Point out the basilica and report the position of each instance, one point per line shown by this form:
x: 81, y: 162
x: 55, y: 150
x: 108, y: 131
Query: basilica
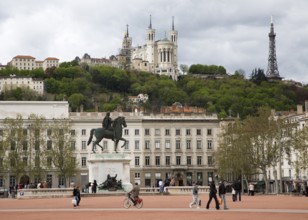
x: 156, y: 56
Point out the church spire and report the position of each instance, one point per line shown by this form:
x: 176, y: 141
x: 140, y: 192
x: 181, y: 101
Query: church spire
x: 150, y: 26
x: 272, y: 69
x: 173, y: 23
x: 127, y: 34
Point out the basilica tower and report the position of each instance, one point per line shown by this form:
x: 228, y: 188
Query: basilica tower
x: 173, y: 35
x: 272, y: 72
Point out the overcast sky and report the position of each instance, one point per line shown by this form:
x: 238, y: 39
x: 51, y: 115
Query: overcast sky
x: 230, y: 33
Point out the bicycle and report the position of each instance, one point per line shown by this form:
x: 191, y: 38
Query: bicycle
x: 128, y: 202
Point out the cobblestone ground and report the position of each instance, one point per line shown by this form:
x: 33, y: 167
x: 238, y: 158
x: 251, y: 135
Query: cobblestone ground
x: 163, y: 207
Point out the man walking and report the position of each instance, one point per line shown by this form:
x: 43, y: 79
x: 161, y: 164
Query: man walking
x: 213, y: 192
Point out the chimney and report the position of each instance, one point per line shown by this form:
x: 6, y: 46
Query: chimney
x: 299, y: 109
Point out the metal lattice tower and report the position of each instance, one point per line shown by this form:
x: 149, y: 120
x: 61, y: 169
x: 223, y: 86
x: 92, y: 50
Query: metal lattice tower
x: 272, y: 69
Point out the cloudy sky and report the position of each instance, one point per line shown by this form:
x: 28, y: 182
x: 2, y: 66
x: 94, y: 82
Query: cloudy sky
x: 230, y: 33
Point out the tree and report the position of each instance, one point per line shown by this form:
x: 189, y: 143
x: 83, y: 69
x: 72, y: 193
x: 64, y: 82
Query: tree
x: 258, y: 76
x: 15, y: 144
x: 61, y: 151
x: 260, y: 139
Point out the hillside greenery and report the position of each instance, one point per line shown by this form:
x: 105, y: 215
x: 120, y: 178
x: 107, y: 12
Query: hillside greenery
x: 108, y: 88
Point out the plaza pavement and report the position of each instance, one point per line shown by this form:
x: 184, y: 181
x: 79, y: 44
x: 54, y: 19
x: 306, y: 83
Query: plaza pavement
x: 162, y: 207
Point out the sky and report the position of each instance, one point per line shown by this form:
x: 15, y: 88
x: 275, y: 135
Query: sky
x: 229, y: 33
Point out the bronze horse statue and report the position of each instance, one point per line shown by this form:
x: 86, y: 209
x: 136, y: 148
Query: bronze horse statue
x: 115, y: 134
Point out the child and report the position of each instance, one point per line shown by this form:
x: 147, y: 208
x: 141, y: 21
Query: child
x: 233, y: 195
x: 195, y: 196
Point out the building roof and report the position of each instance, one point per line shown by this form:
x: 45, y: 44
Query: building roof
x: 24, y: 57
x: 51, y: 58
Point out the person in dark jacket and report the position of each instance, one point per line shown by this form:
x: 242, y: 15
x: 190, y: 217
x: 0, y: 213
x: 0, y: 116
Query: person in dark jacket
x: 76, y: 194
x: 213, y: 192
x: 222, y: 193
x: 238, y: 189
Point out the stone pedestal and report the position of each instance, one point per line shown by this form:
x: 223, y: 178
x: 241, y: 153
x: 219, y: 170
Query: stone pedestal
x: 100, y: 165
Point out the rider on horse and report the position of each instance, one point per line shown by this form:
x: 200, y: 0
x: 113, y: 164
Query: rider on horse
x: 107, y: 122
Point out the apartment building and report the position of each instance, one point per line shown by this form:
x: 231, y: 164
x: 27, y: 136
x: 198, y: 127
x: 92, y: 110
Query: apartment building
x: 26, y: 62
x: 12, y: 82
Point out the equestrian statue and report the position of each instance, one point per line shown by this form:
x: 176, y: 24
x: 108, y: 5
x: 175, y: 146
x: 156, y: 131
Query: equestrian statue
x: 110, y: 130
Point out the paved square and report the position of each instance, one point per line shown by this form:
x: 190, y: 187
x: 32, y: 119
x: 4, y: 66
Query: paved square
x: 164, y: 207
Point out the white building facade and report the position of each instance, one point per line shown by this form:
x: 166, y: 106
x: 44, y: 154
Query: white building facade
x: 162, y: 147
x: 13, y: 82
x: 26, y: 62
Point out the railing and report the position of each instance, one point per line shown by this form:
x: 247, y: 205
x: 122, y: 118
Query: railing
x: 44, y: 193
x: 174, y: 190
x: 68, y: 192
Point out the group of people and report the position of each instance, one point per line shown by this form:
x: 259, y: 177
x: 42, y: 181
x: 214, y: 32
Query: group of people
x: 221, y: 199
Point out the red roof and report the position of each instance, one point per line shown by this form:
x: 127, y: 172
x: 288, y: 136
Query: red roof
x: 24, y: 57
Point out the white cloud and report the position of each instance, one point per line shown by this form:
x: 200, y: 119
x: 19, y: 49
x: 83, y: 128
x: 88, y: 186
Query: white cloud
x: 233, y: 34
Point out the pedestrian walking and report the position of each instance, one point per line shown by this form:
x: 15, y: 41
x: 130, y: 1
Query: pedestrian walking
x: 212, y: 195
x: 195, y: 196
x: 222, y: 193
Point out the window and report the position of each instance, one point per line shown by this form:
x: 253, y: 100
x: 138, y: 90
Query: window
x: 61, y: 180
x: 157, y: 160
x: 137, y: 144
x: 83, y: 145
x: 1, y: 162
x: 49, y: 145
x: 73, y: 132
x: 73, y: 145
x: 167, y: 132
x: 147, y: 131
x: 137, y: 175
x: 199, y: 132
x: 13, y: 145
x: 83, y: 161
x: 147, y: 145
x: 178, y: 160
x: 136, y: 131
x: 105, y: 145
x: 199, y: 144
x: 157, y: 132
x: 137, y: 161
x: 210, y: 160
x: 1, y: 181
x: 83, y: 131
x: 25, y: 145
x: 188, y: 160
x: 147, y: 160
x: 188, y: 132
x: 177, y: 132
x: 199, y: 160
x: 37, y: 145
x: 126, y: 132
x: 188, y: 144
x: 126, y: 147
x: 178, y: 144
x: 157, y: 144
x: 49, y: 160
x: 167, y: 161
x: 209, y: 144
x: 49, y: 132
x: 25, y: 161
x: 167, y: 144
x: 209, y: 131
x: 37, y: 161
x: 1, y: 132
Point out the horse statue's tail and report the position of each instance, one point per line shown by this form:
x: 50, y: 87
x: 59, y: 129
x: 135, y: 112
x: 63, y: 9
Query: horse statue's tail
x: 91, y: 136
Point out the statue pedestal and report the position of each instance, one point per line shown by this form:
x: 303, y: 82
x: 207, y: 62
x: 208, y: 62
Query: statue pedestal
x: 100, y: 165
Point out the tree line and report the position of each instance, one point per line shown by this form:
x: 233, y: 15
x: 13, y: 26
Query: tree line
x: 33, y: 147
x: 106, y: 87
